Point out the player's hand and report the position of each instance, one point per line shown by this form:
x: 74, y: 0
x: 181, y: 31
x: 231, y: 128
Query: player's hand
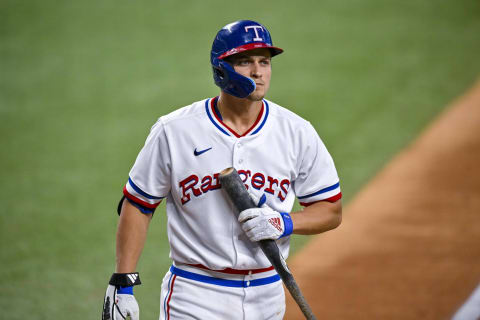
x: 118, y: 306
x: 264, y: 222
x: 119, y: 302
x: 259, y: 201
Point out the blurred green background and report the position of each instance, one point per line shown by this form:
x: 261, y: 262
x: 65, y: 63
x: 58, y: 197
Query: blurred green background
x: 81, y: 83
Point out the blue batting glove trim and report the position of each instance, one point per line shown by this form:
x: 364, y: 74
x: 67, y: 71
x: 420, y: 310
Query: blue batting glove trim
x: 287, y: 223
x: 262, y: 200
x: 125, y: 290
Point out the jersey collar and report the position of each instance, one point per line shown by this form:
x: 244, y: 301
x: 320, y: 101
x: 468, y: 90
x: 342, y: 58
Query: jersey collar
x: 216, y: 119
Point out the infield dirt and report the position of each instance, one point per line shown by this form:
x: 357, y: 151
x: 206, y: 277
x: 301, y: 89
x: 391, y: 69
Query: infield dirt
x: 409, y: 243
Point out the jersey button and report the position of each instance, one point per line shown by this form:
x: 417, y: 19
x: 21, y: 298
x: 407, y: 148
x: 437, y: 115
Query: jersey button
x: 240, y: 161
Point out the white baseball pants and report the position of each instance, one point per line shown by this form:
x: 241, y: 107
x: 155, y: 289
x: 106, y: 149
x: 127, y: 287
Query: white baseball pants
x: 190, y: 292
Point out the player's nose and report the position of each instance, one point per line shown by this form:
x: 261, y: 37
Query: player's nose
x: 256, y: 70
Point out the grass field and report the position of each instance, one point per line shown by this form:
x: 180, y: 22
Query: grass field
x: 82, y: 82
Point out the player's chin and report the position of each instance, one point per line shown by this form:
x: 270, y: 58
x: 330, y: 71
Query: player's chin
x: 257, y: 95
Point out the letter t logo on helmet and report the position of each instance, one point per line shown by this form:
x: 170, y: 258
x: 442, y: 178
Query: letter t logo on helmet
x: 257, y: 38
x: 235, y: 37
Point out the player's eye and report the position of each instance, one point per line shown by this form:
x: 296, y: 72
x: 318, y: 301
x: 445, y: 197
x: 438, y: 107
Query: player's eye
x: 243, y: 62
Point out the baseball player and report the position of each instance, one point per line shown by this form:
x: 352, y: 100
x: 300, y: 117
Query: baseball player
x: 218, y: 270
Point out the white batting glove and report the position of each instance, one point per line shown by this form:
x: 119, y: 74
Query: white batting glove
x: 264, y: 222
x: 119, y: 302
x: 259, y: 201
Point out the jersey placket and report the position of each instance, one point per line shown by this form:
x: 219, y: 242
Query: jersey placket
x: 238, y: 158
x: 238, y: 162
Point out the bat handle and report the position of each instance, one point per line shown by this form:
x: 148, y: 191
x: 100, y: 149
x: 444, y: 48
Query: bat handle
x: 277, y: 260
x: 235, y: 189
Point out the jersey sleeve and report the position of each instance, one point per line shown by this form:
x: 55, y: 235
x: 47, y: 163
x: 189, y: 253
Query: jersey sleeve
x: 317, y: 178
x: 149, y: 179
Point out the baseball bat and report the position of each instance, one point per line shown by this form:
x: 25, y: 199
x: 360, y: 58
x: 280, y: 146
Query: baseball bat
x: 238, y: 194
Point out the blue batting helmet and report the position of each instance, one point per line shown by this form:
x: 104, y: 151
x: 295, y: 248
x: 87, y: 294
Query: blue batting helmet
x: 234, y: 38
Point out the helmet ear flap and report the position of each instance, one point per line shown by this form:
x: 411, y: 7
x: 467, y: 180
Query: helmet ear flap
x: 230, y: 81
x: 220, y: 75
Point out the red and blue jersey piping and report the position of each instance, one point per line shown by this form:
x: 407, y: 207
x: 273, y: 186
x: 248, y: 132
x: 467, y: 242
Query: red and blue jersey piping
x: 216, y: 118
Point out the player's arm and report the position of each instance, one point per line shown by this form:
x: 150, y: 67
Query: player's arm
x: 131, y: 234
x: 318, y: 217
x: 119, y: 301
x: 265, y: 223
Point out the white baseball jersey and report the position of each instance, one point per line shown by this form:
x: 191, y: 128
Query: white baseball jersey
x: 281, y: 155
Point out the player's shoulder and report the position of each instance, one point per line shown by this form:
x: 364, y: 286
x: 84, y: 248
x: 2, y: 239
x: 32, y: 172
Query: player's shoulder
x: 190, y: 111
x: 286, y: 116
x: 179, y: 117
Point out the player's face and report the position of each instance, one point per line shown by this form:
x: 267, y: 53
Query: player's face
x: 256, y: 65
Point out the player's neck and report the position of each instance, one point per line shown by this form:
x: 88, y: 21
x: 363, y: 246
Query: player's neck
x: 239, y: 114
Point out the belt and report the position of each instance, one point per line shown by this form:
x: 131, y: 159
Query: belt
x: 234, y: 271
x: 226, y: 282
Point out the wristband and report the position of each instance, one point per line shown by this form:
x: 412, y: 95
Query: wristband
x: 287, y: 223
x: 125, y: 279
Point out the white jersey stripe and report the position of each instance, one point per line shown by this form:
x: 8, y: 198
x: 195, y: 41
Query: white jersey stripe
x: 213, y: 118
x: 262, y: 121
x: 139, y: 191
x: 133, y: 195
x: 323, y: 190
x: 322, y: 194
